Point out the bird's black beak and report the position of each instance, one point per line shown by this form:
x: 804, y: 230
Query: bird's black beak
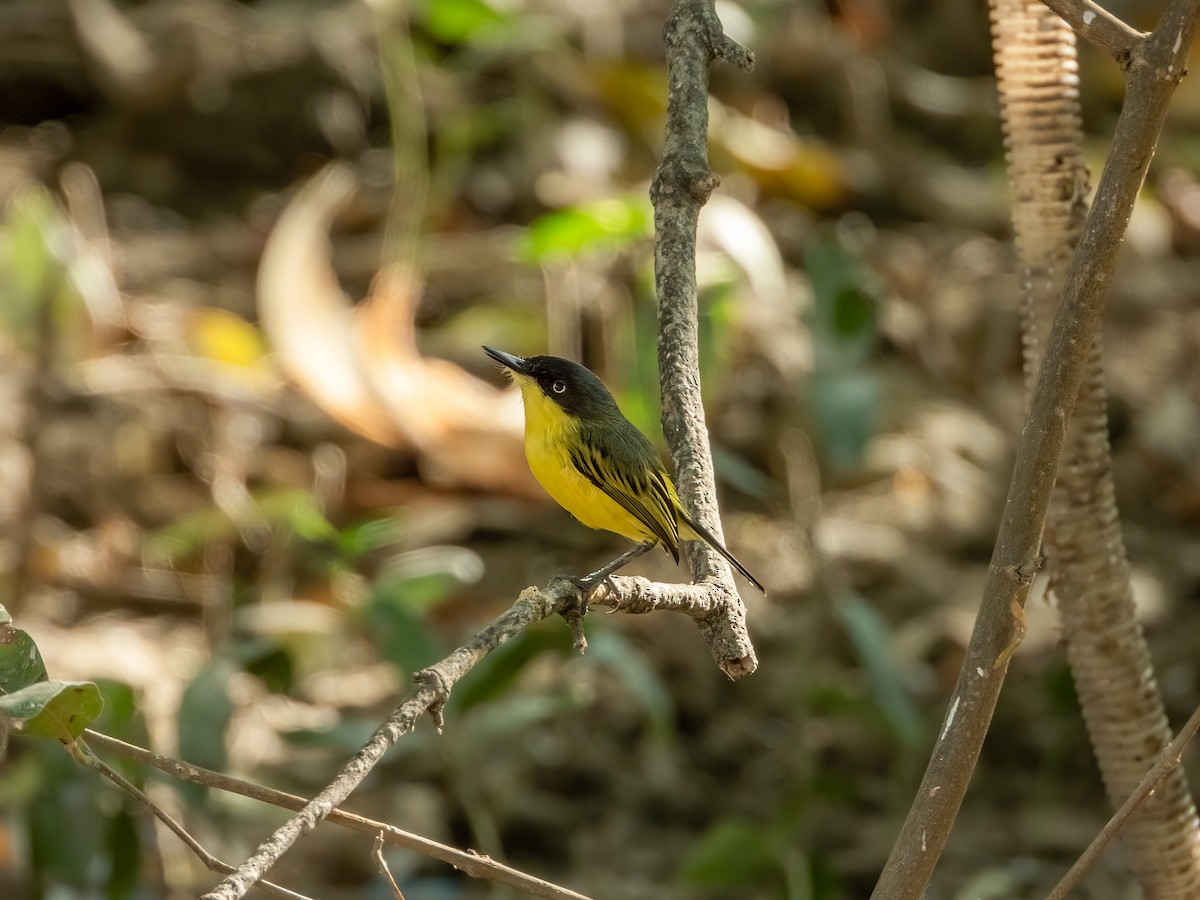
x: 516, y: 363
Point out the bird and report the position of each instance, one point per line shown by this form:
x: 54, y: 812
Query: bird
x: 597, y: 465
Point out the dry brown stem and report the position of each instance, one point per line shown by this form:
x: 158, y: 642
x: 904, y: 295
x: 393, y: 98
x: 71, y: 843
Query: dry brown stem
x: 471, y: 864
x: 1156, y: 66
x: 1169, y: 761
x: 83, y: 754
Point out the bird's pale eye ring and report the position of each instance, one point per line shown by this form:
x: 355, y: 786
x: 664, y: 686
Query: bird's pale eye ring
x: 559, y: 387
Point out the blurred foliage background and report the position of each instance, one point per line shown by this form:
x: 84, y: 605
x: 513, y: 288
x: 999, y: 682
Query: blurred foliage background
x: 252, y: 579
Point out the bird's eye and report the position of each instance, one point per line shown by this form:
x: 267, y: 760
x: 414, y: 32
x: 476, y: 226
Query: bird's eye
x: 559, y: 387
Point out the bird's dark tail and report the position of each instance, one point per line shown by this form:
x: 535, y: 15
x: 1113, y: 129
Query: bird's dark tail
x: 703, y: 534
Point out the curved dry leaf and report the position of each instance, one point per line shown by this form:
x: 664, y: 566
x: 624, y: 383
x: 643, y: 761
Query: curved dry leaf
x: 308, y: 319
x: 468, y: 432
x: 733, y: 227
x: 361, y: 365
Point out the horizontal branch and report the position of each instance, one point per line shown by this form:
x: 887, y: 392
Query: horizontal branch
x: 706, y: 604
x: 1099, y: 27
x: 82, y: 753
x: 471, y: 864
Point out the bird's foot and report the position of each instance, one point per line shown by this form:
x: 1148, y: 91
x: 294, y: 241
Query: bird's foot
x: 584, y: 587
x: 573, y: 613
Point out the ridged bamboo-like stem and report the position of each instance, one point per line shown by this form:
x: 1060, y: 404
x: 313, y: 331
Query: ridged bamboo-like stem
x: 1089, y: 573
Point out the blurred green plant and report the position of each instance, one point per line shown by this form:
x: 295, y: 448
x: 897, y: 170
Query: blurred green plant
x: 755, y: 860
x: 205, y: 711
x: 36, y: 252
x: 639, y: 393
x: 613, y: 223
x: 79, y: 830
x: 293, y: 510
x: 82, y: 832
x: 454, y: 22
x: 406, y: 588
x: 844, y: 393
x: 868, y: 633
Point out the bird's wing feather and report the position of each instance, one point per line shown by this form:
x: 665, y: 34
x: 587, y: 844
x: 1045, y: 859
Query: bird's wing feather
x: 634, y: 483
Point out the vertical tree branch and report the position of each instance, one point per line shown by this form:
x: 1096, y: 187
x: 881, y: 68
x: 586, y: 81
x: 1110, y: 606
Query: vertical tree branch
x: 1155, y: 69
x: 693, y: 38
x: 1089, y: 572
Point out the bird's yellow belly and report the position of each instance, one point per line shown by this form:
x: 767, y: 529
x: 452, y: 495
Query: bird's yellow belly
x: 549, y: 460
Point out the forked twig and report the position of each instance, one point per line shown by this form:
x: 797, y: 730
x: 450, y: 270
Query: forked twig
x: 1098, y: 26
x: 472, y: 864
x: 1168, y: 761
x: 83, y: 754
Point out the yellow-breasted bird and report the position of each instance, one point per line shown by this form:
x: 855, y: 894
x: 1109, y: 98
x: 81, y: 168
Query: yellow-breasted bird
x: 597, y: 465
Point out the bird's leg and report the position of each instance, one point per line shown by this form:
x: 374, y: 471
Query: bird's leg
x: 621, y: 561
x: 591, y: 581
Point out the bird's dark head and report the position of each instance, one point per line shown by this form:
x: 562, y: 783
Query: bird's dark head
x: 573, y: 388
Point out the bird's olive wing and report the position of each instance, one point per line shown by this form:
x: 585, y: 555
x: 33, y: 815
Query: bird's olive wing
x: 638, y: 484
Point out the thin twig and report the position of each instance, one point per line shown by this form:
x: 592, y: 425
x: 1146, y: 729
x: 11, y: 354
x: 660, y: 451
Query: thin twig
x: 1098, y: 26
x: 1155, y: 70
x: 431, y: 690
x: 471, y: 864
x: 82, y: 753
x: 1168, y: 761
x: 382, y: 866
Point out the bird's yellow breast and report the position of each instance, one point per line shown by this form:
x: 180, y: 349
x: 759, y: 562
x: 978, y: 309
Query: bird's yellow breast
x: 549, y: 435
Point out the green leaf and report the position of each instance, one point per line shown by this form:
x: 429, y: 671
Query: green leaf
x: 38, y: 261
x: 398, y: 631
x: 612, y: 649
x: 844, y: 306
x: 732, y: 852
x: 846, y: 409
x: 408, y: 586
x: 361, y: 538
x: 869, y: 635
x: 175, y: 543
x: 853, y: 313
x: 204, y: 715
x: 124, y: 854
x: 345, y: 737
x: 457, y: 21
x: 303, y: 514
x: 27, y: 267
x: 516, y: 715
x: 53, y: 709
x: 72, y: 825
x: 498, y: 671
x: 20, y: 662
x: 738, y: 472
x: 603, y: 225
